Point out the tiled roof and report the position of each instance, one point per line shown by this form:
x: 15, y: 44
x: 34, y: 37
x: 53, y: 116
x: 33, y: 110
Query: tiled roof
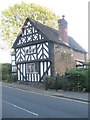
x: 52, y: 35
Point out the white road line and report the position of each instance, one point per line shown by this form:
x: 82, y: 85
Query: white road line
x: 20, y: 108
x: 47, y: 95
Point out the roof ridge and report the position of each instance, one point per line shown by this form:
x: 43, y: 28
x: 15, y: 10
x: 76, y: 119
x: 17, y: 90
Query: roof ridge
x: 41, y: 24
x: 52, y: 35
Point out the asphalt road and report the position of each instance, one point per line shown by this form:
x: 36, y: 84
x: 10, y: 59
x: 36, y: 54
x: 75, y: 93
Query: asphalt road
x: 21, y: 104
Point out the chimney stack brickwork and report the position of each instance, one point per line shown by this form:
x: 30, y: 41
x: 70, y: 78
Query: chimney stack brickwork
x: 62, y: 30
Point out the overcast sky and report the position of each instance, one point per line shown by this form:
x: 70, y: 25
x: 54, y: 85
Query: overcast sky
x: 75, y: 11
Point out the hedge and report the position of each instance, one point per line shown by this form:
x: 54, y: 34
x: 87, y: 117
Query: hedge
x: 6, y: 73
x: 76, y: 79
x: 6, y: 70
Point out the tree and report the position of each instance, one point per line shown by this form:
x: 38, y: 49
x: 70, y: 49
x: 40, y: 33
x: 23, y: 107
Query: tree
x: 6, y: 70
x: 14, y: 17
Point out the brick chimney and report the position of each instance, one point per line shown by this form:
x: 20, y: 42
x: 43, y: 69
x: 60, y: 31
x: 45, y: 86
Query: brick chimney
x: 62, y: 30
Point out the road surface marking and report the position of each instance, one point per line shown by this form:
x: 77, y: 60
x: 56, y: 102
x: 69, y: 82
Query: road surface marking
x: 21, y: 108
x: 46, y: 95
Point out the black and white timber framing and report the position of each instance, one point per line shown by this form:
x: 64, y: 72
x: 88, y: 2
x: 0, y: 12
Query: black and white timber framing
x: 33, y: 54
x: 35, y: 50
x: 14, y: 68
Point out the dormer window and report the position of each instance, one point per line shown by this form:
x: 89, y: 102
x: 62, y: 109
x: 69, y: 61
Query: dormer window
x: 31, y: 49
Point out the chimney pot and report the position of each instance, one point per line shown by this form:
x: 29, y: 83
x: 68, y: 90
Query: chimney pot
x: 63, y: 16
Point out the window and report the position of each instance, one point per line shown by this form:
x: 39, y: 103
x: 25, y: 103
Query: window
x: 58, y: 48
x: 31, y: 49
x: 30, y: 67
x: 14, y: 68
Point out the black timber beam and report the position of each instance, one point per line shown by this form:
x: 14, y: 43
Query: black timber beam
x: 31, y: 43
x: 51, y: 55
x: 33, y: 61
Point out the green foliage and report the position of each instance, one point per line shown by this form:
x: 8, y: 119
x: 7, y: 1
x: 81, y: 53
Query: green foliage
x: 14, y: 18
x: 78, y: 78
x: 49, y: 82
x: 59, y: 82
x: 62, y: 82
x: 11, y: 78
x: 6, y: 70
x: 6, y: 73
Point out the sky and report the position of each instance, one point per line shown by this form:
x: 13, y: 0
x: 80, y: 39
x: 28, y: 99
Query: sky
x: 76, y: 14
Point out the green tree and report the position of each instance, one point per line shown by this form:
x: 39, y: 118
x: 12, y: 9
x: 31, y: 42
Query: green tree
x: 6, y: 70
x: 14, y: 18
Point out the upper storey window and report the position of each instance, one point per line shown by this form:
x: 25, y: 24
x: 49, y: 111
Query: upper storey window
x: 31, y: 49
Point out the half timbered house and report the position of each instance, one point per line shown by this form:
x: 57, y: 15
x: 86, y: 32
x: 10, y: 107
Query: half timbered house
x: 41, y: 50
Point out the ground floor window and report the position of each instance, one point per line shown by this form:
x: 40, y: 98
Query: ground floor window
x: 32, y: 67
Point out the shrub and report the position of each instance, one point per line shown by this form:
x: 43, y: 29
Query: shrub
x: 59, y: 82
x: 78, y: 78
x: 88, y: 81
x: 62, y: 82
x: 6, y: 70
x: 6, y: 73
x: 49, y: 82
x: 11, y: 78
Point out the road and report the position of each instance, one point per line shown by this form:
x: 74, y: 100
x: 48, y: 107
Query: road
x: 24, y: 104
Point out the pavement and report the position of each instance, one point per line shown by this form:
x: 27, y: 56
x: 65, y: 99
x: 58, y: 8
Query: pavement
x: 79, y: 96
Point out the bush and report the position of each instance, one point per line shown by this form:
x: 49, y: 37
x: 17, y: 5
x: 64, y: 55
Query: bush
x: 6, y: 73
x: 59, y: 82
x: 78, y: 78
x: 88, y: 82
x: 11, y: 78
x: 6, y: 70
x: 49, y: 82
x: 62, y: 82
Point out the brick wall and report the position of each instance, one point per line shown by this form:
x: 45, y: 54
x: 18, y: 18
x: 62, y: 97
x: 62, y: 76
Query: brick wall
x: 65, y: 59
x: 78, y: 55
